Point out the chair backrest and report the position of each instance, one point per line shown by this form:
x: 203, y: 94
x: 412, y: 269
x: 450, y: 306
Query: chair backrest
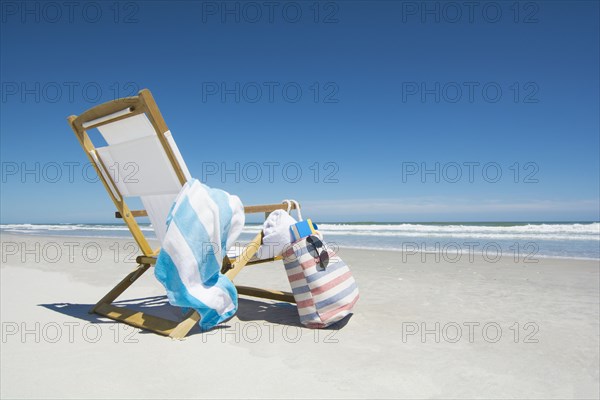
x: 141, y: 158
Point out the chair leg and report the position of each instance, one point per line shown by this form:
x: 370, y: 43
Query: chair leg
x: 247, y: 253
x: 185, y: 326
x: 138, y: 319
x: 162, y: 326
x: 266, y: 293
x: 177, y: 330
x: 121, y: 286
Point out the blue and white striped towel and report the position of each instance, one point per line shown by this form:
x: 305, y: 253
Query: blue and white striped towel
x: 202, y: 225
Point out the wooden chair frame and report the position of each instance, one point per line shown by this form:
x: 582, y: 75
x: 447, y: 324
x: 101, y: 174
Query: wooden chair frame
x: 111, y: 112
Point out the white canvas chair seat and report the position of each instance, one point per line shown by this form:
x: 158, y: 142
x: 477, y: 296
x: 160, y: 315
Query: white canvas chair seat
x: 139, y: 166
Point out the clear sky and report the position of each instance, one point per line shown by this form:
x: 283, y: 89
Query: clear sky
x: 390, y: 111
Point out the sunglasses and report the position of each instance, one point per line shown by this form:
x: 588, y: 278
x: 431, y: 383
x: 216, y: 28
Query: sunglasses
x: 317, y: 249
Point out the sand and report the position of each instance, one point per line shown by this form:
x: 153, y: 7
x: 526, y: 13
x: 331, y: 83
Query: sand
x: 422, y: 329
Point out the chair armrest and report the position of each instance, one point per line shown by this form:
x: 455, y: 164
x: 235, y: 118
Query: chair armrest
x: 145, y: 260
x: 267, y: 208
x: 134, y: 213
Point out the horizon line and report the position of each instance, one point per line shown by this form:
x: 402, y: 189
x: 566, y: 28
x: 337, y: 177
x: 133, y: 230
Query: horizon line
x: 335, y: 222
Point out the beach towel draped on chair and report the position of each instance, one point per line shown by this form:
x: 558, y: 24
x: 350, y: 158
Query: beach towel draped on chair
x: 202, y: 225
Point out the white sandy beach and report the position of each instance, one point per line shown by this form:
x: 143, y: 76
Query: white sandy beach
x: 494, y: 330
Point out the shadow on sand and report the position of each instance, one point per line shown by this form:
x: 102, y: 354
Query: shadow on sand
x: 248, y: 310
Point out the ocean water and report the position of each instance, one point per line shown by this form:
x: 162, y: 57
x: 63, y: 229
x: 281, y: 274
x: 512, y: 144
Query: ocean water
x: 519, y: 240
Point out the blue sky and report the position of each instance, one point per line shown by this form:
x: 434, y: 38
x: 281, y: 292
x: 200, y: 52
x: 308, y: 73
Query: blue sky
x: 361, y: 97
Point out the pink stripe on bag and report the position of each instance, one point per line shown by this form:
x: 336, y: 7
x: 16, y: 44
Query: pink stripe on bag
x: 306, y: 303
x: 288, y: 252
x: 331, y: 313
x: 331, y: 284
x: 295, y: 277
x: 309, y: 263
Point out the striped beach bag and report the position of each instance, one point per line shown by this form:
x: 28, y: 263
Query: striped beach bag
x: 321, y: 282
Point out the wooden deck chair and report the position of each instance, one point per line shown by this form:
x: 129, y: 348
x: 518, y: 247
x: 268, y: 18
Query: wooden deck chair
x: 142, y: 160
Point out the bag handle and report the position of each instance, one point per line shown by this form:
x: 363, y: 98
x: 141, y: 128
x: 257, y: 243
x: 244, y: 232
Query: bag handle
x: 298, y: 210
x: 289, y: 207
